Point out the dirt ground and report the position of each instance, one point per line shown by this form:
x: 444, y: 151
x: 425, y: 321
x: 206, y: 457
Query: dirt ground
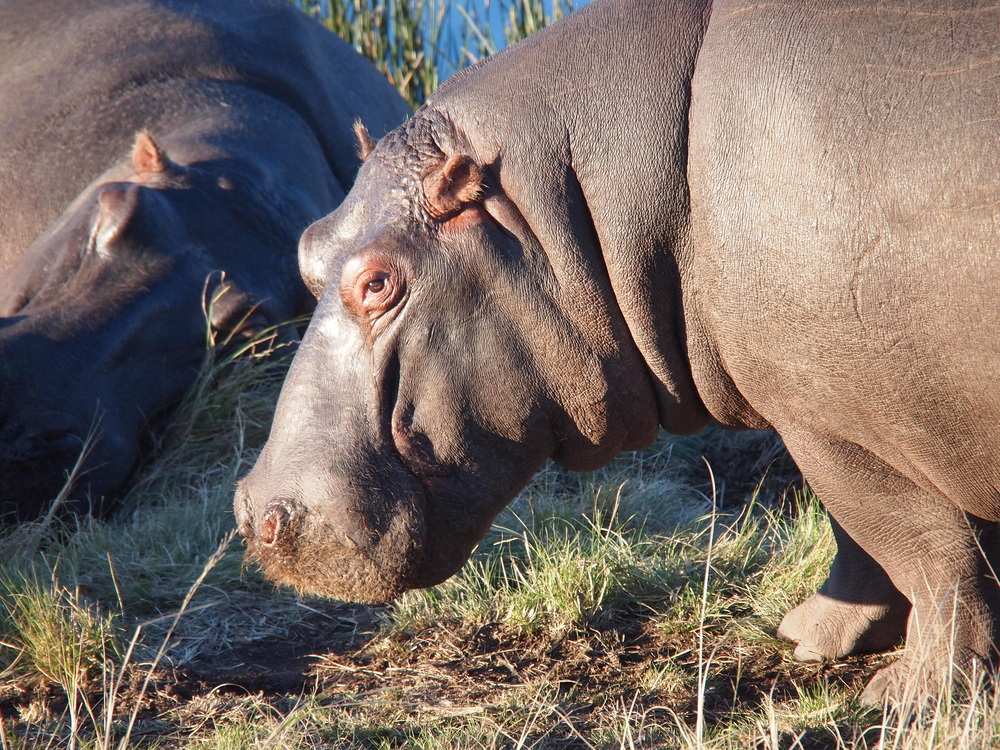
x: 450, y: 669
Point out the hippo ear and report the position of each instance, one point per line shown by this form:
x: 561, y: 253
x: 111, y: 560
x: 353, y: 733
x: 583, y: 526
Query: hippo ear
x: 455, y: 183
x: 366, y: 144
x: 118, y: 207
x: 147, y: 157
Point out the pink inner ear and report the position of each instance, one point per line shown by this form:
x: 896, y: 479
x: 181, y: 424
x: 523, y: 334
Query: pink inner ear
x: 147, y: 157
x: 366, y: 144
x: 457, y: 182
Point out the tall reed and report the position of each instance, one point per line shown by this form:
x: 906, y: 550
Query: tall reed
x: 419, y: 43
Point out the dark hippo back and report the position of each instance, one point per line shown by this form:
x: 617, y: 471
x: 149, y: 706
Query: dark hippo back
x: 157, y: 158
x: 79, y: 78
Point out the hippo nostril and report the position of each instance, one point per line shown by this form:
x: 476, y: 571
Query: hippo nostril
x: 273, y: 525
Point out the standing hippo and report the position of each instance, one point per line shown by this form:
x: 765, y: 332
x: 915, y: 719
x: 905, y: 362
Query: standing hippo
x: 656, y: 214
x: 115, y: 247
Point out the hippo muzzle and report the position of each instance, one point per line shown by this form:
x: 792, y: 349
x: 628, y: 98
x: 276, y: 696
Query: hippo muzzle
x: 318, y: 539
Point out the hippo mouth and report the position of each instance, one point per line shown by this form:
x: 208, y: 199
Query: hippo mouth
x: 328, y: 551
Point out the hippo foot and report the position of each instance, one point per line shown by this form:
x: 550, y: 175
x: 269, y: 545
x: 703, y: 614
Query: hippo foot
x: 887, y: 684
x: 923, y: 674
x: 913, y: 683
x: 827, y: 629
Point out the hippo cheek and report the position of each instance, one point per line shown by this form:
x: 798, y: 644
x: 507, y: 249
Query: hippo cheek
x: 60, y: 455
x: 25, y: 493
x: 319, y: 538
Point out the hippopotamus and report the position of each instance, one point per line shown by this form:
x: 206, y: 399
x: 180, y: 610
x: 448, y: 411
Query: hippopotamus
x: 159, y: 160
x: 665, y: 214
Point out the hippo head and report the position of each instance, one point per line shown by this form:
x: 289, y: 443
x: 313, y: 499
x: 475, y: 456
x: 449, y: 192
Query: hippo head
x: 106, y: 320
x: 451, y: 354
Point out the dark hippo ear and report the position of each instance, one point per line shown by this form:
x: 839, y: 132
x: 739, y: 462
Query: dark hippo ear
x: 147, y: 157
x: 451, y: 185
x: 366, y: 144
x: 118, y: 207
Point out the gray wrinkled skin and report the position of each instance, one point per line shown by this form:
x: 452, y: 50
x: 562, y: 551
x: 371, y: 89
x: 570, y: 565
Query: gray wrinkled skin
x: 155, y: 155
x: 660, y: 214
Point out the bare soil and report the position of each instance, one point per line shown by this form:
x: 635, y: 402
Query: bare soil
x: 345, y: 656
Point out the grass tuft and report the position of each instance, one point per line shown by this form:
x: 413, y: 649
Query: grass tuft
x: 54, y: 632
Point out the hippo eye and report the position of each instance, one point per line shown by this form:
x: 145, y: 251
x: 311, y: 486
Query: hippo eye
x: 370, y: 288
x: 375, y: 287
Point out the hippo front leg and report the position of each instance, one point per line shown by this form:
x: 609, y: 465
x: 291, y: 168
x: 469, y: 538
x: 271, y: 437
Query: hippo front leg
x: 931, y: 551
x: 952, y: 634
x: 856, y: 611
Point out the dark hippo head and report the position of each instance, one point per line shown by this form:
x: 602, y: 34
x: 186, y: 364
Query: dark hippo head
x: 106, y: 320
x: 457, y: 345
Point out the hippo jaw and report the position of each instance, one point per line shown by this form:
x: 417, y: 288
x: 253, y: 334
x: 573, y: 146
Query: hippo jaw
x: 402, y: 535
x: 373, y: 527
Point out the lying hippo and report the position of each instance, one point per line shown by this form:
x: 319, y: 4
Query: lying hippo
x: 113, y: 245
x: 661, y: 214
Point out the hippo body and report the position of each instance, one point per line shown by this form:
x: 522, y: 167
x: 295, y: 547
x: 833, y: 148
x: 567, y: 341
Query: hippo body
x: 158, y: 161
x: 786, y: 218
